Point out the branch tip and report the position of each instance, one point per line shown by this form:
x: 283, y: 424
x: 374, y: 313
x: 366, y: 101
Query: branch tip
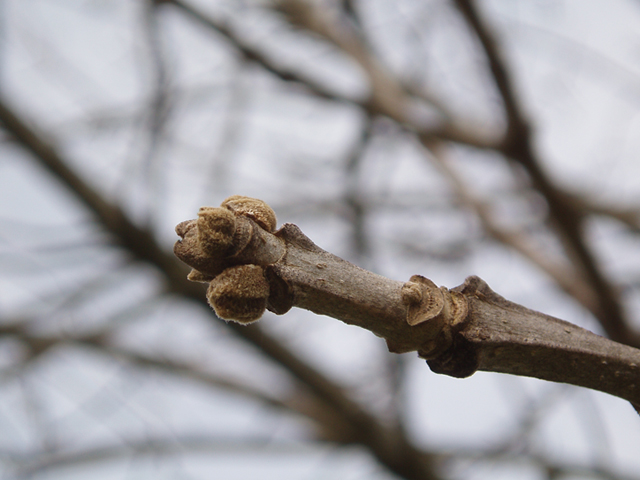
x: 252, y: 268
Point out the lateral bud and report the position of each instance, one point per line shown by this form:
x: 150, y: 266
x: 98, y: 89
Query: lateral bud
x: 426, y: 301
x: 239, y: 293
x: 436, y: 309
x: 423, y: 299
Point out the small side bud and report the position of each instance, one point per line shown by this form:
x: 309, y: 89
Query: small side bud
x: 423, y: 299
x: 239, y: 293
x: 411, y: 293
x: 216, y: 227
x: 255, y: 209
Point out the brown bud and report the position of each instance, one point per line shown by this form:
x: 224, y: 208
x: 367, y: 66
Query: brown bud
x: 411, y: 293
x: 216, y: 227
x: 239, y: 293
x: 255, y: 209
x: 189, y: 250
x: 424, y: 300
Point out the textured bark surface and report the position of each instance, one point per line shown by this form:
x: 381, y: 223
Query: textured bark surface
x: 458, y: 331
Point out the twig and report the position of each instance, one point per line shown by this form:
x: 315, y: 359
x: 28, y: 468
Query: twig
x: 251, y: 267
x: 384, y: 90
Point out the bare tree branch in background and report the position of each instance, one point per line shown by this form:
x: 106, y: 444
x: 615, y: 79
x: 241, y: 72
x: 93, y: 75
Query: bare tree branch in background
x: 517, y: 145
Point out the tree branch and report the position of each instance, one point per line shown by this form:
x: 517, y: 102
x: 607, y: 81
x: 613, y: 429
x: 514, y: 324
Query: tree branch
x: 251, y: 267
x: 387, y: 97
